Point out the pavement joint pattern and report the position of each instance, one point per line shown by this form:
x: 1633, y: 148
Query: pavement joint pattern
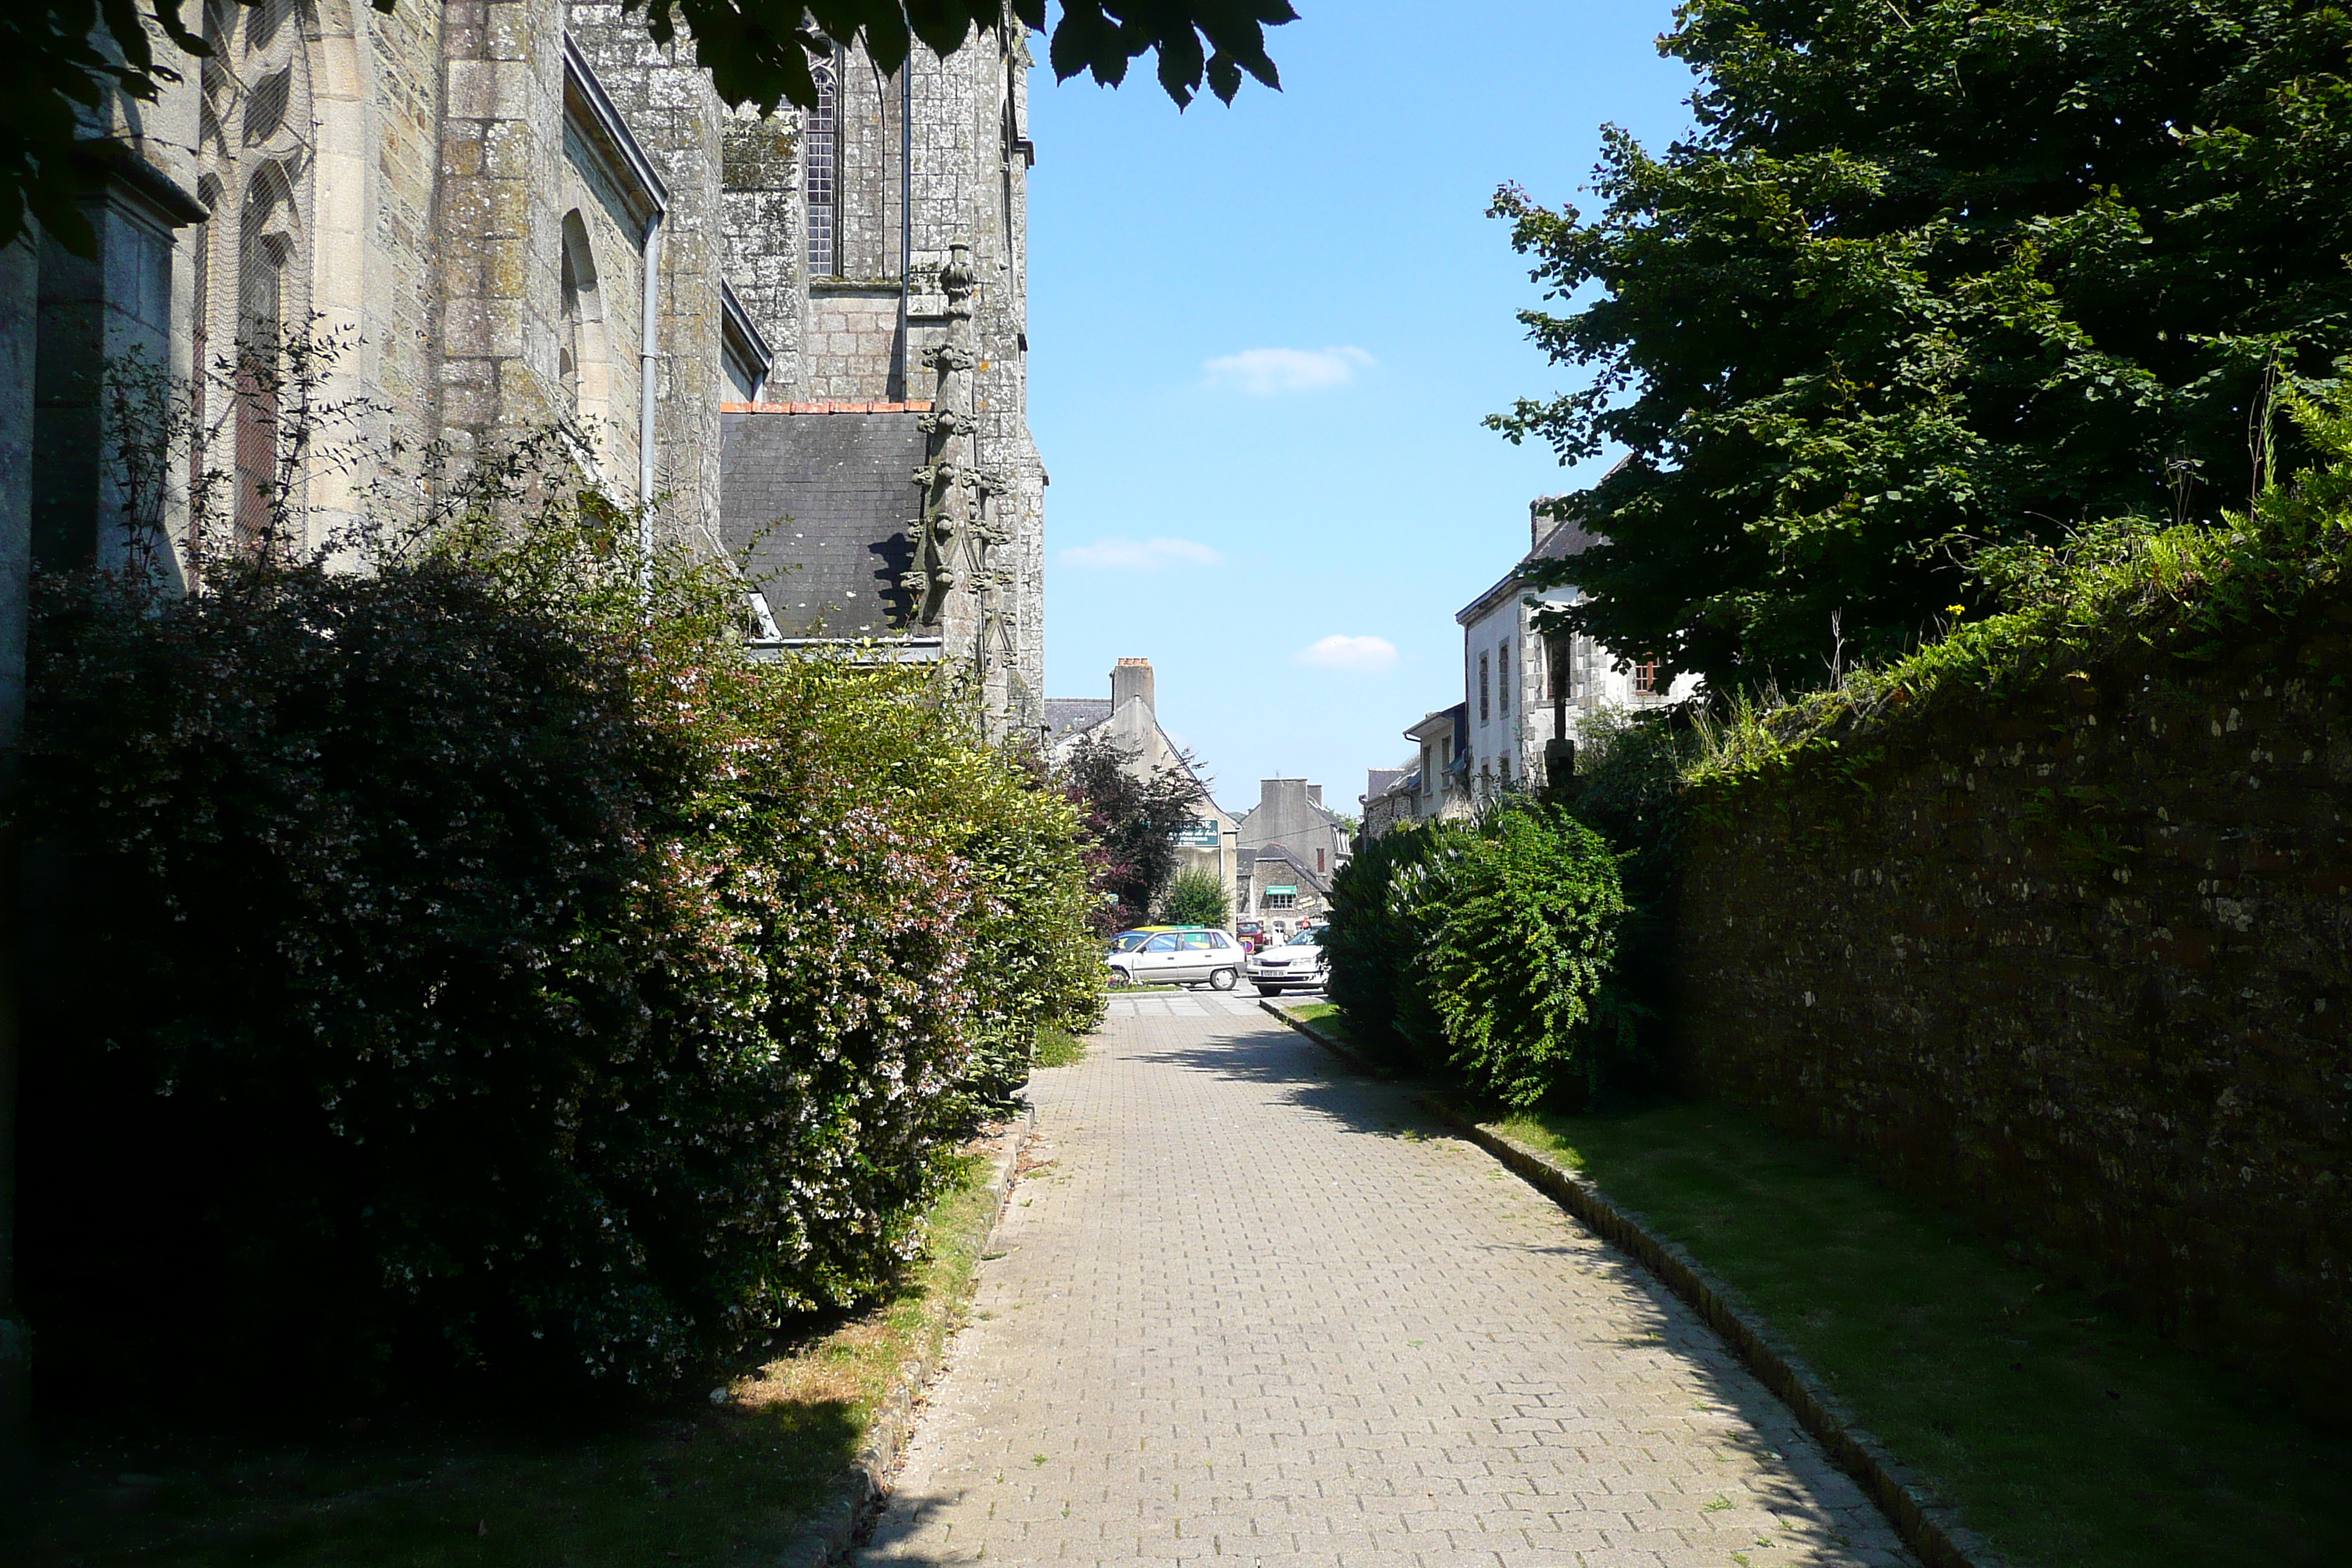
x: 1240, y: 1310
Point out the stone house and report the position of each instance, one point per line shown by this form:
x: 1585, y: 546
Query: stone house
x: 1291, y: 846
x: 1387, y: 797
x: 1281, y: 891
x: 796, y: 340
x: 1520, y: 685
x: 1433, y: 783
x: 1129, y: 718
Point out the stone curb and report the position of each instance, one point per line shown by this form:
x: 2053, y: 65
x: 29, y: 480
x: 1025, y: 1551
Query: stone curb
x: 1329, y: 1042
x: 832, y: 1526
x: 1928, y: 1528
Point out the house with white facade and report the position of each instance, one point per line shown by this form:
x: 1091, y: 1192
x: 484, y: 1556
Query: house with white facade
x: 1433, y: 783
x: 1522, y: 687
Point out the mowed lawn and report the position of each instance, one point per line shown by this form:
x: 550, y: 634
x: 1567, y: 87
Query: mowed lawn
x: 2070, y: 1436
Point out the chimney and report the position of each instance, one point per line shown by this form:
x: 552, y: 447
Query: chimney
x: 1535, y: 523
x: 1132, y: 677
x: 1315, y: 793
x: 1134, y: 721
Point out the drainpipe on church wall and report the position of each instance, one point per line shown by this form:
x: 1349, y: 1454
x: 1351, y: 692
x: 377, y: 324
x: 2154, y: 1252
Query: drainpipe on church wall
x: 899, y: 388
x: 648, y: 378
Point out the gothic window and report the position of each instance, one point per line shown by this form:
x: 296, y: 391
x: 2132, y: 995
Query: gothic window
x: 583, y: 358
x: 567, y: 326
x: 821, y: 145
x: 1483, y: 714
x: 251, y: 268
x: 265, y: 248
x: 1503, y: 676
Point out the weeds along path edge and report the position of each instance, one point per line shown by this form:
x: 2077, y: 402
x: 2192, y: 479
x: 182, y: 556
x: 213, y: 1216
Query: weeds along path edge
x: 834, y: 1524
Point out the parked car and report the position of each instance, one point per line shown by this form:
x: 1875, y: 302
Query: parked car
x: 1250, y: 933
x: 1294, y: 965
x: 1128, y: 940
x: 1185, y: 955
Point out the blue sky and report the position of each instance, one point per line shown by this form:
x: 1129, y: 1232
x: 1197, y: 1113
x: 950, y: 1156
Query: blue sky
x: 1262, y: 339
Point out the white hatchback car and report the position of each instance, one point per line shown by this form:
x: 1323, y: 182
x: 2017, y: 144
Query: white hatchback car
x: 1294, y: 965
x: 1188, y: 954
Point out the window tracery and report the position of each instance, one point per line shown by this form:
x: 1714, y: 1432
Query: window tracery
x: 255, y: 145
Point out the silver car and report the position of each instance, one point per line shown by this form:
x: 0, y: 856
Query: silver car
x: 1295, y: 965
x: 1183, y: 956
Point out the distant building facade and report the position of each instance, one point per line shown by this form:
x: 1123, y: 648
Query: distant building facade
x: 1433, y: 783
x: 1292, y: 845
x: 1129, y: 719
x: 1521, y: 684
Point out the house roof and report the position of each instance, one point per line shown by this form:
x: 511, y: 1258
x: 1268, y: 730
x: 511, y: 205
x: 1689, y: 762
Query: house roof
x: 1563, y: 541
x: 1275, y: 855
x: 1066, y: 716
x: 1452, y: 718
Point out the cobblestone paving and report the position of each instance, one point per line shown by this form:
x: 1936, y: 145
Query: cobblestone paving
x: 1258, y: 1312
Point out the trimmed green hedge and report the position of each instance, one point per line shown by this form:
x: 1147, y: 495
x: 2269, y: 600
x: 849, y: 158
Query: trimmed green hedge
x: 1483, y: 950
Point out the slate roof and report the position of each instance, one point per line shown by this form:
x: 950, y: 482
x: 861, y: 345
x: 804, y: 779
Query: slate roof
x: 817, y: 506
x: 1275, y: 855
x: 1065, y: 716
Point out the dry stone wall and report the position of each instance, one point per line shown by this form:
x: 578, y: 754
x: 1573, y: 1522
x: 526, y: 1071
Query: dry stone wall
x: 2082, y: 964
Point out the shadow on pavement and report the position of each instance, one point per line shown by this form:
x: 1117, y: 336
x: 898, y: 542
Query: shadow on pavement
x: 1755, y: 1422
x: 1271, y: 1053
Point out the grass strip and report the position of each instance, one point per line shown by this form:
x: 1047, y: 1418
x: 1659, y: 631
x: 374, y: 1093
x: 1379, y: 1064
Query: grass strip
x: 1324, y: 1015
x: 2068, y: 1435
x: 712, y: 1485
x: 1058, y: 1048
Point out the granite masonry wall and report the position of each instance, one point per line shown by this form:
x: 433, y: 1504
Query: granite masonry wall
x: 2082, y: 964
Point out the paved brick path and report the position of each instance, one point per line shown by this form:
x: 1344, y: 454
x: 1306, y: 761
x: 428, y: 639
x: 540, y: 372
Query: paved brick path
x: 1260, y: 1312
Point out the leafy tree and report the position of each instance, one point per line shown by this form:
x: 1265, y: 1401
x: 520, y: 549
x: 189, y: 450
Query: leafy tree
x: 1196, y: 898
x: 1135, y: 819
x: 1484, y: 950
x: 59, y: 58
x: 1930, y: 277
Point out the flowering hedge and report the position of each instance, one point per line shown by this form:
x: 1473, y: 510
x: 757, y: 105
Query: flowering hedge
x: 479, y: 966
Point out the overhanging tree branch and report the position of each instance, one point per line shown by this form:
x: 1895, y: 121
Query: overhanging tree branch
x: 59, y: 59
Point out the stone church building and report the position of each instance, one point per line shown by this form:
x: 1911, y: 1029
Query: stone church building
x: 801, y: 337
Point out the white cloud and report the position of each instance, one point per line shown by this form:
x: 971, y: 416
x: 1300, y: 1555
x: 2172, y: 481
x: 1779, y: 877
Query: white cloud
x: 1122, y: 554
x: 1262, y: 373
x: 1365, y: 656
